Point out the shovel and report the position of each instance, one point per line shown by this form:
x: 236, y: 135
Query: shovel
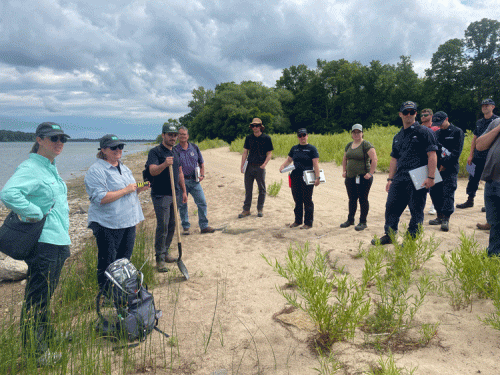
x: 180, y: 263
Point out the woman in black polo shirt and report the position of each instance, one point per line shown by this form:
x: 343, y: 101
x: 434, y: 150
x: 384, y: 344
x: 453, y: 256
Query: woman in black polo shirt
x: 305, y: 157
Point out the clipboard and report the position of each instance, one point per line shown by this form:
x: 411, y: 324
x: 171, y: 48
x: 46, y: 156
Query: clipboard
x: 419, y: 175
x: 245, y: 166
x: 471, y: 169
x: 310, y: 177
x: 289, y: 168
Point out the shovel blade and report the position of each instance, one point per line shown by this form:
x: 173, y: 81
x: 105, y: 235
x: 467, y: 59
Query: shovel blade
x: 183, y: 268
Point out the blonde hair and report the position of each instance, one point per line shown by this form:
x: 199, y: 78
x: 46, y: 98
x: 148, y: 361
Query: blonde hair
x: 100, y: 155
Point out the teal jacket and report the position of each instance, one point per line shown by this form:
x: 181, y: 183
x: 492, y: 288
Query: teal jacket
x: 32, y: 190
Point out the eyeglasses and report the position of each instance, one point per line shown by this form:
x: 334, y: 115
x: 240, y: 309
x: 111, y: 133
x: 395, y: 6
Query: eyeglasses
x: 424, y: 114
x: 255, y: 125
x: 407, y: 112
x: 119, y: 147
x: 301, y: 135
x: 56, y: 138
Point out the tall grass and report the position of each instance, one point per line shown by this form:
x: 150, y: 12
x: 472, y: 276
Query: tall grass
x: 331, y: 146
x: 212, y: 143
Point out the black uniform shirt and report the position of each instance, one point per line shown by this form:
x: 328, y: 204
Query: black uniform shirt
x: 451, y: 138
x: 161, y: 183
x: 302, y: 156
x: 410, y: 147
x: 481, y: 126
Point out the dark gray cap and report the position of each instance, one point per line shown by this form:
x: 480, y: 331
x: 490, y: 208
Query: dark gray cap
x: 48, y: 129
x: 109, y: 140
x: 488, y: 102
x: 408, y: 105
x: 438, y: 118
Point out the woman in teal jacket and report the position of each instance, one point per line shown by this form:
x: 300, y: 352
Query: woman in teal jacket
x: 34, y: 189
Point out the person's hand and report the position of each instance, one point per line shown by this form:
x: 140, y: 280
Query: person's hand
x: 130, y: 188
x: 316, y: 182
x: 184, y: 198
x: 263, y: 166
x: 169, y: 161
x: 428, y: 183
x: 469, y: 160
x: 241, y: 169
x: 367, y: 176
x: 387, y: 186
x: 441, y: 168
x: 281, y: 168
x: 143, y: 188
x: 344, y: 174
x: 201, y: 178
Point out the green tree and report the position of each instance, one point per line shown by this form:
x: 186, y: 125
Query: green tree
x: 200, y: 98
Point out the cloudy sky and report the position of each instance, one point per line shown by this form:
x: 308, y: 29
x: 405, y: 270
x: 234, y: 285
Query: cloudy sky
x: 127, y: 66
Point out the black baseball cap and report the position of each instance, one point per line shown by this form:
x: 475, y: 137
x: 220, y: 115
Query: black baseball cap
x: 408, y: 105
x: 438, y: 118
x: 109, y: 140
x: 488, y: 102
x: 48, y: 129
x: 302, y: 131
x: 169, y: 128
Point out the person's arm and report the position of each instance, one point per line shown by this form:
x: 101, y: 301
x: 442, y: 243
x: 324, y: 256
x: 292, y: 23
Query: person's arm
x: 112, y: 196
x: 344, y: 165
x: 155, y: 169
x: 243, y: 159
x: 202, y: 171
x: 392, y: 171
x: 431, y: 165
x: 372, y: 154
x: 316, y: 170
x: 287, y: 162
x: 182, y: 184
x: 269, y: 154
x: 472, y: 148
x: 484, y: 142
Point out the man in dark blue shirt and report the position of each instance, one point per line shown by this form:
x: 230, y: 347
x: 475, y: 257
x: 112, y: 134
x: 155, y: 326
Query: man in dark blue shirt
x: 478, y: 158
x: 413, y: 146
x: 257, y: 152
x: 450, y: 141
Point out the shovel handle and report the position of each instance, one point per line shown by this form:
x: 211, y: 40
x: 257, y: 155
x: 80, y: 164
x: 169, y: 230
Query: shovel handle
x: 174, y: 198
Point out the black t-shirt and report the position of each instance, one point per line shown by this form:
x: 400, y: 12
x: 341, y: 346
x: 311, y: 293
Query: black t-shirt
x: 302, y: 156
x: 481, y: 126
x: 410, y: 147
x: 452, y: 139
x: 161, y: 183
x: 258, y: 147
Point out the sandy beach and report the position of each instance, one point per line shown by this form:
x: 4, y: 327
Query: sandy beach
x: 232, y: 291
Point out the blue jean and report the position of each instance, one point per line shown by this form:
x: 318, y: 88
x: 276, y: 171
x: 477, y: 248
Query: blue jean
x: 492, y: 203
x: 402, y: 193
x: 194, y: 188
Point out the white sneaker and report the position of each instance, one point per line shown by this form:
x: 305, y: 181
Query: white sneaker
x: 432, y: 210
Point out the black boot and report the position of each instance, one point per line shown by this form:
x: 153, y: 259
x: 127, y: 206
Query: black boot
x: 468, y: 203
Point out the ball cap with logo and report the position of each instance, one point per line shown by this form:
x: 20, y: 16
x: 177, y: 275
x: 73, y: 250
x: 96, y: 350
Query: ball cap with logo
x: 408, y: 105
x: 109, y: 140
x: 488, y: 102
x: 48, y: 129
x: 169, y: 128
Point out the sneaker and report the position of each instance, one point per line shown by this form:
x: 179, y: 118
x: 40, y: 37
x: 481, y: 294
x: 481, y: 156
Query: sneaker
x: 293, y: 225
x: 436, y: 221
x: 48, y: 358
x: 384, y: 240
x: 485, y: 226
x: 360, y: 227
x: 244, y: 214
x: 432, y: 210
x: 185, y: 231
x: 346, y: 224
x: 306, y: 226
x: 260, y: 213
x: 445, y: 225
x: 161, y: 266
x: 207, y: 230
x: 170, y: 259
x: 483, y: 209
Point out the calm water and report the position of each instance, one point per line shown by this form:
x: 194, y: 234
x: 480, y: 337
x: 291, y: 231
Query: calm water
x: 74, y: 161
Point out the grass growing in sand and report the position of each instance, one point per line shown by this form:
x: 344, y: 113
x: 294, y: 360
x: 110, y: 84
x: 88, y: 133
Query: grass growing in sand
x: 274, y: 188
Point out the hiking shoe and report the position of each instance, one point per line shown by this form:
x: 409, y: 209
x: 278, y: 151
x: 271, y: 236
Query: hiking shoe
x: 483, y: 209
x: 360, y: 227
x: 161, y: 266
x: 445, y: 225
x: 436, y: 221
x: 185, y: 231
x: 293, y: 225
x: 170, y: 259
x: 485, y: 226
x: 306, y: 226
x: 384, y: 240
x: 468, y: 203
x: 260, y: 213
x: 207, y: 230
x: 244, y: 214
x: 432, y: 210
x: 48, y: 358
x: 346, y: 224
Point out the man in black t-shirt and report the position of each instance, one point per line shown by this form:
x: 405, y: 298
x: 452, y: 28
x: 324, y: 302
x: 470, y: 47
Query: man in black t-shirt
x: 160, y: 159
x: 257, y: 152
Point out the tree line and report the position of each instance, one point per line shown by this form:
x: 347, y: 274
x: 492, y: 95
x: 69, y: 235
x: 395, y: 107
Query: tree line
x: 337, y: 94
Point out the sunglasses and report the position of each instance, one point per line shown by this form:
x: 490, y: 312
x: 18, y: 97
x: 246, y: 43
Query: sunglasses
x: 119, y: 147
x: 424, y: 115
x: 407, y: 112
x: 56, y: 138
x: 255, y: 126
x: 301, y: 135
